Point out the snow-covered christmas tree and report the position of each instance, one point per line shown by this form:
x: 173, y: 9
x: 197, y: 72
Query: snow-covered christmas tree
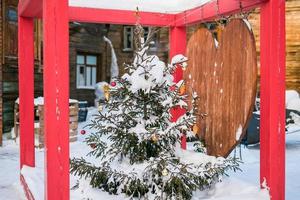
x: 137, y: 146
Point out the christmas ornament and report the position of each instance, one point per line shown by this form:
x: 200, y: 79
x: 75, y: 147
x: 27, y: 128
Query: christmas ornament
x: 93, y: 145
x: 82, y: 132
x: 106, y: 92
x: 182, y: 89
x: 100, y: 108
x: 172, y: 88
x: 165, y: 172
x: 195, y: 129
x: 184, y: 66
x: 154, y: 138
x: 113, y: 83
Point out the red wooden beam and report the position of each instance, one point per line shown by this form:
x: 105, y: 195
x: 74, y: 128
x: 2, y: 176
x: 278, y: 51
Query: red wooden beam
x: 109, y: 16
x: 214, y: 10
x: 30, y: 8
x: 26, y: 91
x: 56, y: 93
x: 178, y: 46
x: 272, y: 121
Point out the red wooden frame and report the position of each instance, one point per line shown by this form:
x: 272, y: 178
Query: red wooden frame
x: 272, y: 141
x: 178, y: 46
x: 56, y: 14
x: 26, y: 88
x: 56, y: 93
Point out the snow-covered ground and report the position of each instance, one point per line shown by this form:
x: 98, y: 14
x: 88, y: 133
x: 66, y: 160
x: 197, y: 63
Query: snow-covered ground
x: 241, y: 185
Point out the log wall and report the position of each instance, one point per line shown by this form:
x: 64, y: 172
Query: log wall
x: 292, y: 41
x: 85, y: 38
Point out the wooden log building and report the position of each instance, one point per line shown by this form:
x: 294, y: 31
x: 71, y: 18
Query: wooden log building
x: 89, y: 53
x: 292, y: 41
x: 90, y: 58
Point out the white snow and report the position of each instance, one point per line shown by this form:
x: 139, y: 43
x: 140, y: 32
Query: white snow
x: 40, y: 101
x: 238, y: 133
x: 114, y: 68
x: 294, y: 104
x: 241, y: 185
x: 178, y: 59
x: 292, y: 100
x: 165, y: 6
x: 248, y: 24
x: 35, y: 180
x: 99, y: 90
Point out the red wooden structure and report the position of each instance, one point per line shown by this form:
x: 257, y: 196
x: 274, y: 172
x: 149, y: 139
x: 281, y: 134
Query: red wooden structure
x: 56, y: 15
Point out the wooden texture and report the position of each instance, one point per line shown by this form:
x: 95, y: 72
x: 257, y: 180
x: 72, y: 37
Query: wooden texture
x: 56, y: 94
x: 84, y: 38
x: 26, y: 88
x: 292, y: 41
x: 10, y: 30
x: 39, y: 123
x: 225, y: 80
x: 9, y: 70
x: 272, y: 98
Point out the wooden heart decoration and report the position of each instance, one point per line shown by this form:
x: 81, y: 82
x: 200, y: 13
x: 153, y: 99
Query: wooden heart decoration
x: 225, y: 79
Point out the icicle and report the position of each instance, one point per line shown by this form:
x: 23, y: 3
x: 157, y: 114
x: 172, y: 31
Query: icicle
x: 114, y: 69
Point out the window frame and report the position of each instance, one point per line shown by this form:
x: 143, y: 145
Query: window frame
x: 85, y: 65
x: 129, y: 49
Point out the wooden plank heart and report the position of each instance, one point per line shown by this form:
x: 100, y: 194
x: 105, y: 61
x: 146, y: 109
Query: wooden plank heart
x: 224, y: 78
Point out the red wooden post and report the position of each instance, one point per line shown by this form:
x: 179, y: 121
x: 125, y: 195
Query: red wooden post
x: 26, y: 91
x: 272, y: 138
x: 178, y: 46
x: 56, y: 93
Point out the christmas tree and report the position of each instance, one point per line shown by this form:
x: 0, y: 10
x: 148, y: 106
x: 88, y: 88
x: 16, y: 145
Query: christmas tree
x: 137, y: 146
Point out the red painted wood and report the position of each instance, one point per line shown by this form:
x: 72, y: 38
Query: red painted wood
x: 212, y: 11
x: 30, y: 8
x: 27, y: 191
x: 272, y: 139
x: 26, y: 91
x: 178, y: 46
x: 56, y: 93
x: 33, y: 8
x: 109, y: 16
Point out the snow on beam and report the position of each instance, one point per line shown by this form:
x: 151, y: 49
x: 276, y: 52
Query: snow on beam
x: 30, y: 8
x: 213, y: 10
x: 109, y: 16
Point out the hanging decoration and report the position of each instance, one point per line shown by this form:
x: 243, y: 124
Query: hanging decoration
x: 226, y: 84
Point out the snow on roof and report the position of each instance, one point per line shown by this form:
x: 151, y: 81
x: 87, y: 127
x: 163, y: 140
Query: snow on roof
x: 162, y: 6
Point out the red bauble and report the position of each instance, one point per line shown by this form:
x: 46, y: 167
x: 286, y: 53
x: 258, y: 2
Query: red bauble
x: 82, y: 132
x: 93, y: 145
x: 172, y: 88
x: 113, y: 84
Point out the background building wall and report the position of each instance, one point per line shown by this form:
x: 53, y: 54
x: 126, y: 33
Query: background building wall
x: 292, y: 41
x: 84, y: 38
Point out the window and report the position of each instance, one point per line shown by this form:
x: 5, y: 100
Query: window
x: 128, y: 41
x: 128, y: 38
x: 12, y: 15
x: 86, y: 71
